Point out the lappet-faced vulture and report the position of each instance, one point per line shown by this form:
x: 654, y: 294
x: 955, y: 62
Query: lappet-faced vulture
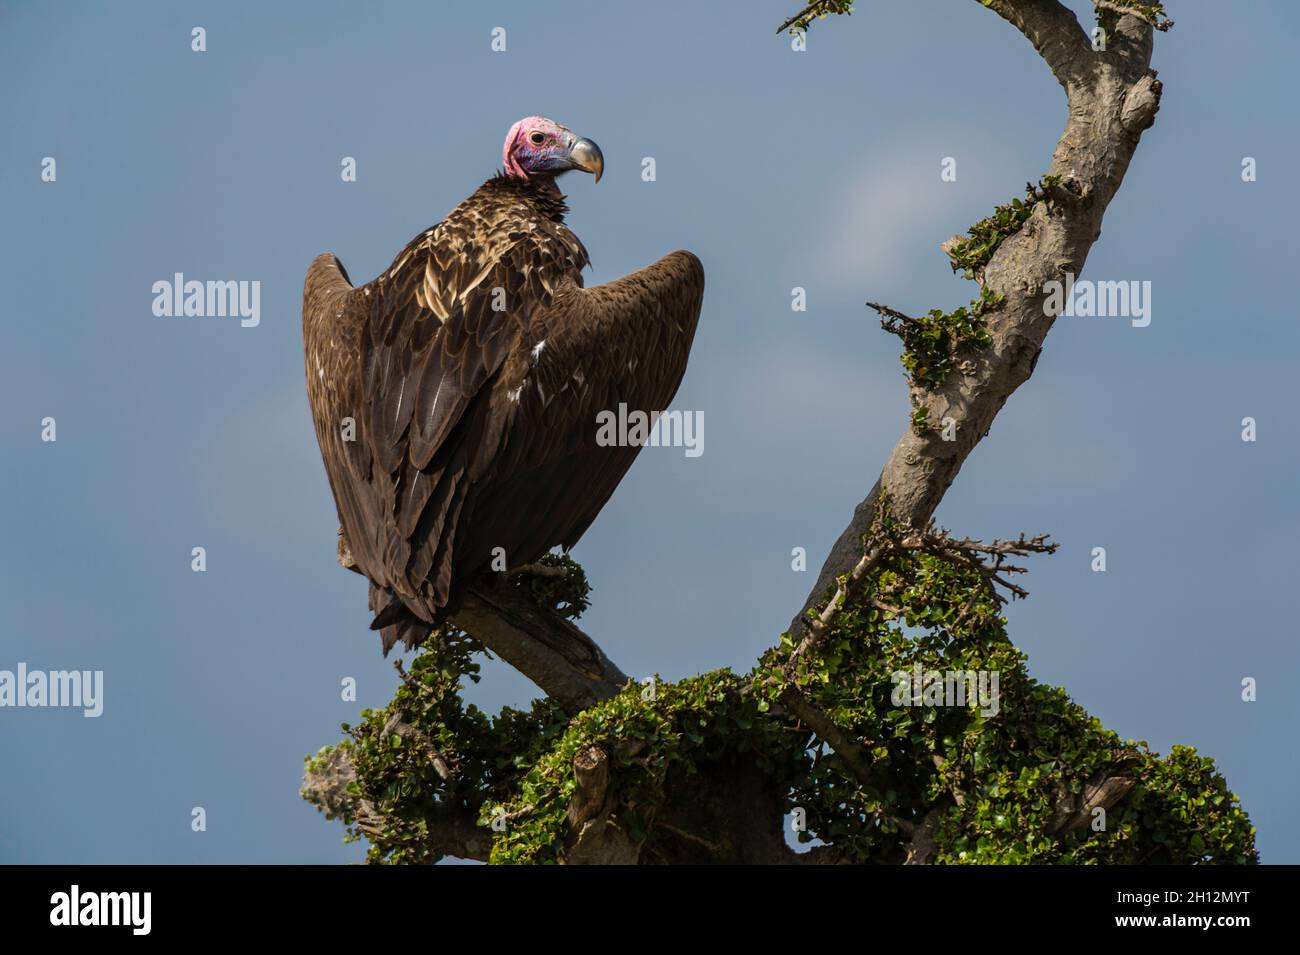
x: 456, y: 396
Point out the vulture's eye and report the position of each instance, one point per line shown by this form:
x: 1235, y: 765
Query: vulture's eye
x: 537, y: 138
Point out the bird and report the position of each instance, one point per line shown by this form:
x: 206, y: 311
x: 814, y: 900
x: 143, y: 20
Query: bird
x: 455, y: 397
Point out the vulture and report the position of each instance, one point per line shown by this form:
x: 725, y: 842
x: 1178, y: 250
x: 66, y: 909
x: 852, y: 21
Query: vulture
x: 455, y: 397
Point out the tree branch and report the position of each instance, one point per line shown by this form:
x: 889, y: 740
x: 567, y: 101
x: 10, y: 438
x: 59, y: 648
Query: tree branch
x: 921, y: 848
x: 1103, y: 791
x: 850, y: 751
x: 564, y: 662
x: 452, y: 831
x: 814, y: 10
x: 1055, y: 32
x: 1112, y: 97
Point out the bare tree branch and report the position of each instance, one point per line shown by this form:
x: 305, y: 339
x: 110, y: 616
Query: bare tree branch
x: 564, y: 662
x: 852, y: 752
x: 884, y: 540
x: 540, y: 570
x: 1055, y: 32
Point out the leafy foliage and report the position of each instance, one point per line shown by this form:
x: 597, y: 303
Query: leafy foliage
x: 933, y: 344
x: 972, y: 252
x: 395, y: 752
x: 996, y: 776
x: 817, y: 10
x: 1152, y: 13
x: 649, y: 736
x: 999, y: 779
x: 568, y: 596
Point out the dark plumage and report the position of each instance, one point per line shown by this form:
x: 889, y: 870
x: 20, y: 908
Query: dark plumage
x: 476, y: 428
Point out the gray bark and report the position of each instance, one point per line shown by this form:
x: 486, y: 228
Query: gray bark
x: 565, y: 663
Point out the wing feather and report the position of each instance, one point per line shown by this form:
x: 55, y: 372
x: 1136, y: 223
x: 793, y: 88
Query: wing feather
x: 627, y: 341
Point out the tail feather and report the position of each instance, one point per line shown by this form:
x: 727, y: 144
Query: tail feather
x: 395, y: 621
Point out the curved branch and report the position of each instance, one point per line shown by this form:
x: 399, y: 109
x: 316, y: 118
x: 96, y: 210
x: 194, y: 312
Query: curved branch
x: 1113, y: 96
x: 564, y: 662
x: 1055, y: 32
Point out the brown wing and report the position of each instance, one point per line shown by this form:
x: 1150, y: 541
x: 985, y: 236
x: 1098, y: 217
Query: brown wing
x: 333, y: 314
x: 624, y: 342
x: 440, y: 328
x: 476, y: 424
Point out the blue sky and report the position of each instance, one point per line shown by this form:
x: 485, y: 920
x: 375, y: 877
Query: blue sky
x: 779, y: 169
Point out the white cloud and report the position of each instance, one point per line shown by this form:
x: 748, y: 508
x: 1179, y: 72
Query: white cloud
x: 873, y: 232
x: 889, y: 219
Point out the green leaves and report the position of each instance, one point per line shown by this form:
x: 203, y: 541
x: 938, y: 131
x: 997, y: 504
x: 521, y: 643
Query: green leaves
x: 934, y: 344
x: 396, y: 751
x: 568, y: 596
x: 998, y: 778
x: 971, y: 253
x: 646, y: 737
x: 1001, y: 778
x: 1152, y: 13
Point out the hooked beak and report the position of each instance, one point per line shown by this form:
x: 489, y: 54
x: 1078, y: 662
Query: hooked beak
x: 586, y: 155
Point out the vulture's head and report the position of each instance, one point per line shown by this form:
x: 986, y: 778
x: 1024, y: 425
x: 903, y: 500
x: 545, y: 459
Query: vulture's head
x: 540, y: 148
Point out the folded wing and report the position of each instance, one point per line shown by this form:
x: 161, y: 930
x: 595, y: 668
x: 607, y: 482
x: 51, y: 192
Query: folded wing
x: 475, y: 376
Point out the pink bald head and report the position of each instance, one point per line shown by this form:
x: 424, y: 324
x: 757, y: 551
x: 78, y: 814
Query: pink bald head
x: 540, y: 148
x: 531, y: 131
